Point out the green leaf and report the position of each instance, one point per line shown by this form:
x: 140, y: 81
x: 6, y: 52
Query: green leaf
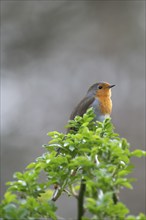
x: 31, y: 165
x: 53, y: 134
x: 10, y: 207
x: 141, y: 216
x: 18, y: 175
x: 130, y: 217
x: 71, y: 148
x: 9, y: 197
x: 138, y: 153
x: 123, y: 182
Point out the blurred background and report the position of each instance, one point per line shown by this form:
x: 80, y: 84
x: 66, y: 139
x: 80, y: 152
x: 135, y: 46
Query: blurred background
x: 51, y: 52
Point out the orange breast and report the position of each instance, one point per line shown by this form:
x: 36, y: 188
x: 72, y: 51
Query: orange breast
x: 105, y: 104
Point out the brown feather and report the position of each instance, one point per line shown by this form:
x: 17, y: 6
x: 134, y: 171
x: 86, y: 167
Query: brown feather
x: 82, y: 107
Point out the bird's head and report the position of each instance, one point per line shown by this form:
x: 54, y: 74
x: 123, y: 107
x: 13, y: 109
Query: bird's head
x: 100, y: 89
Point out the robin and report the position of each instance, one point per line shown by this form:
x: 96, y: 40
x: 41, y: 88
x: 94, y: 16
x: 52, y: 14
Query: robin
x: 99, y: 97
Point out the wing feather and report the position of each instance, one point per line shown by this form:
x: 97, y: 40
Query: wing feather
x: 82, y: 107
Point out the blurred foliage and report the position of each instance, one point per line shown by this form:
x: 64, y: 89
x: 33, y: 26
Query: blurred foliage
x: 104, y: 175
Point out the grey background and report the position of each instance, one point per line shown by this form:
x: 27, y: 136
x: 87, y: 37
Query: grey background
x: 51, y: 52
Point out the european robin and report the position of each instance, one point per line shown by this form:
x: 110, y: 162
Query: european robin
x: 99, y: 97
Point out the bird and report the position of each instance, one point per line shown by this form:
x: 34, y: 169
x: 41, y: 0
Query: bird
x: 98, y: 96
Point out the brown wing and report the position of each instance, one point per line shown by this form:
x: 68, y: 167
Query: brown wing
x: 82, y: 107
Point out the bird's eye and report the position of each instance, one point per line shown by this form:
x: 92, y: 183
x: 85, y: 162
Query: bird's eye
x: 100, y: 87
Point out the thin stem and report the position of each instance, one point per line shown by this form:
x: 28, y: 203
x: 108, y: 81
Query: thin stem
x: 58, y: 191
x: 81, y: 199
x: 68, y: 192
x: 74, y: 193
x: 56, y: 194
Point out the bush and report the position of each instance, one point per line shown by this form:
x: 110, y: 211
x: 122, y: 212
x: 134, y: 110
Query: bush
x: 92, y: 165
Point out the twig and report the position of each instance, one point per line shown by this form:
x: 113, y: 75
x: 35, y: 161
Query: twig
x: 74, y: 193
x: 81, y: 199
x: 56, y: 194
x: 68, y: 192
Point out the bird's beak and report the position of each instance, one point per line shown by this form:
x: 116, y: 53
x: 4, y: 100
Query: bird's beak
x: 111, y: 86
